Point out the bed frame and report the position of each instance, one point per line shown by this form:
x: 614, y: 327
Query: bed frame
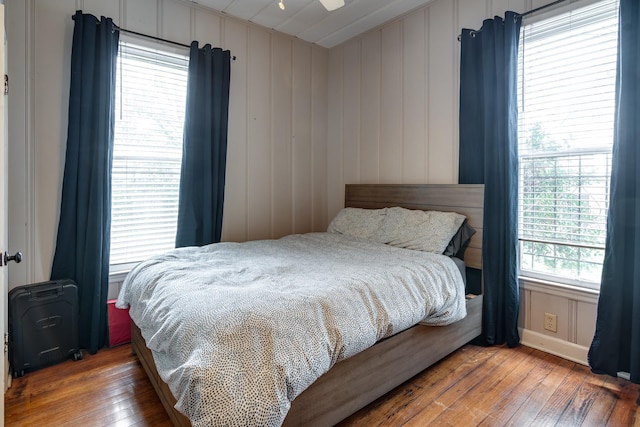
x: 357, y: 381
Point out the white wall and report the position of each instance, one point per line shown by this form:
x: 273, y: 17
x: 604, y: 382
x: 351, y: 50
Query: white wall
x: 382, y: 107
x: 576, y: 311
x: 393, y: 97
x: 276, y: 167
x: 393, y: 117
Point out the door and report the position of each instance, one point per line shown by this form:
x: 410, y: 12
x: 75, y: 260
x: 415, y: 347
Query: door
x: 3, y: 212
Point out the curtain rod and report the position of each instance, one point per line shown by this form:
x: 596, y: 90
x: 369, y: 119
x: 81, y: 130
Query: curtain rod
x: 122, y: 30
x: 537, y: 9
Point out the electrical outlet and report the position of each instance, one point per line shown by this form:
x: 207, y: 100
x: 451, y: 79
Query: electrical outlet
x: 551, y: 322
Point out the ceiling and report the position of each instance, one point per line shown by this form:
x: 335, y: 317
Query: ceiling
x: 309, y: 20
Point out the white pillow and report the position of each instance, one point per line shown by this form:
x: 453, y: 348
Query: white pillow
x: 357, y: 222
x: 427, y: 231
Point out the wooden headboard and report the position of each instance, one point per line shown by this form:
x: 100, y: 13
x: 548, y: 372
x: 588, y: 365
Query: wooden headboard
x: 467, y: 199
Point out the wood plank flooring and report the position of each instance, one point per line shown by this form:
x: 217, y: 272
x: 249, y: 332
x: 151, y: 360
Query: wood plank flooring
x: 475, y: 386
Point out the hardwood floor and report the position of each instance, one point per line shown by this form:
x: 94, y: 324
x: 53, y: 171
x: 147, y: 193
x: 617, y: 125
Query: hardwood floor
x: 475, y: 386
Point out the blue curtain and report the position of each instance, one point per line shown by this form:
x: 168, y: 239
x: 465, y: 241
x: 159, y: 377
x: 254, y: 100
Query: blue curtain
x: 82, y: 245
x: 489, y: 156
x: 204, y: 151
x: 616, y: 343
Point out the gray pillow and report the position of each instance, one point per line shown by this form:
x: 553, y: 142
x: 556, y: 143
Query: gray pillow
x: 460, y: 240
x: 357, y: 222
x: 428, y: 231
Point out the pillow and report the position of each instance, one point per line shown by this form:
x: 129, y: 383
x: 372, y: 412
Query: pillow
x: 428, y: 231
x: 460, y: 240
x: 357, y: 222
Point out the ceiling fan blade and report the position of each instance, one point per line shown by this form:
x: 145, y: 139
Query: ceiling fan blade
x: 332, y: 4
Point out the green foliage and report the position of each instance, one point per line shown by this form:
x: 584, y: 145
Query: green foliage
x: 539, y: 141
x: 557, y: 206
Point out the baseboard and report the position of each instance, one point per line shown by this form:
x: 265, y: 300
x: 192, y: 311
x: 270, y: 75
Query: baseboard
x: 566, y: 350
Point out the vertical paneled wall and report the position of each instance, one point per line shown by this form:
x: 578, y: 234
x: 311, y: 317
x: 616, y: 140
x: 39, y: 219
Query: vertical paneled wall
x: 277, y: 159
x: 382, y: 107
x: 393, y: 117
x: 576, y: 311
x: 393, y: 97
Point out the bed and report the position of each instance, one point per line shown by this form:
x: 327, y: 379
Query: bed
x: 355, y: 381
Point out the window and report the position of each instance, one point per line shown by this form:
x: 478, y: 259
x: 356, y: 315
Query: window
x: 151, y: 93
x: 567, y: 72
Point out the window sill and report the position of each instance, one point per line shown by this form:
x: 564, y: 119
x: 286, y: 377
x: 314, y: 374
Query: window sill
x: 559, y: 289
x: 118, y: 276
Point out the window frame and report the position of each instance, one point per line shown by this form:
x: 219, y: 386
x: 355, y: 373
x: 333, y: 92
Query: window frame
x: 118, y: 270
x: 538, y: 276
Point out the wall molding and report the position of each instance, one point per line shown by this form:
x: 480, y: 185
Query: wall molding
x: 561, y: 290
x: 566, y: 350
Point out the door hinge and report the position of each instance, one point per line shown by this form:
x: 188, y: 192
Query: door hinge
x: 6, y: 343
x: 6, y: 84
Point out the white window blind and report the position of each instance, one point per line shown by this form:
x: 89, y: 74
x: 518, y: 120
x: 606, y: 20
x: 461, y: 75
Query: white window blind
x: 150, y: 102
x: 567, y: 71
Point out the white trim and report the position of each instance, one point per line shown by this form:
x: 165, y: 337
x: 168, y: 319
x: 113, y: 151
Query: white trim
x: 116, y: 278
x: 566, y: 350
x: 625, y: 375
x: 560, y: 280
x: 560, y: 289
x: 115, y: 269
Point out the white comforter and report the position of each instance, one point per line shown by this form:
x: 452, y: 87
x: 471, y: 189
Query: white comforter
x: 238, y: 330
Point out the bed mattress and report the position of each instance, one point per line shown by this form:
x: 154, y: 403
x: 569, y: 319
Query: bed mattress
x: 238, y: 330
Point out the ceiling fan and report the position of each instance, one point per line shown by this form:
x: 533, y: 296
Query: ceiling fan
x: 328, y: 4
